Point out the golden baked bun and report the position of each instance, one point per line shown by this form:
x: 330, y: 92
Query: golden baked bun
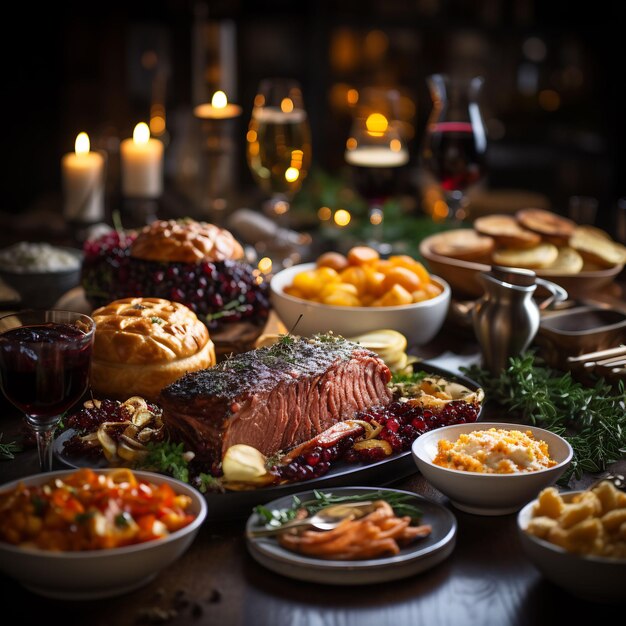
x: 506, y: 231
x: 567, y: 262
x: 537, y: 257
x: 464, y: 244
x: 553, y: 228
x: 597, y: 247
x: 185, y: 241
x: 143, y: 344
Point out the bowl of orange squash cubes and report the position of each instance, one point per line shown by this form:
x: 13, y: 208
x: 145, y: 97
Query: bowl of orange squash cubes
x: 361, y: 292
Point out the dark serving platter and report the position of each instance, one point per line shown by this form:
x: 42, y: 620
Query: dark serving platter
x: 239, y: 504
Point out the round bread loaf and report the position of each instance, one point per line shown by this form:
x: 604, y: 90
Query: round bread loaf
x: 143, y: 344
x: 506, y: 231
x: 553, y: 228
x: 464, y: 244
x: 567, y: 262
x: 185, y: 241
x: 537, y: 257
x: 596, y: 246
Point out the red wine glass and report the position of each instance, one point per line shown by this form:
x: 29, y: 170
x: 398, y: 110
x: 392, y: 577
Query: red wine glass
x: 45, y: 358
x: 455, y: 143
x: 377, y: 156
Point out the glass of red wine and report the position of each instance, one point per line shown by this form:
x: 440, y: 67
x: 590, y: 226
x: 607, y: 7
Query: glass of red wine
x: 377, y: 156
x: 455, y: 143
x: 45, y: 358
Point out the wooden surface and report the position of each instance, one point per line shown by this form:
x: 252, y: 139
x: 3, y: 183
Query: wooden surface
x: 486, y: 581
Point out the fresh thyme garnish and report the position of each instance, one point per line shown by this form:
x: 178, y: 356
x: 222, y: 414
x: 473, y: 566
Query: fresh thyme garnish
x: 591, y: 419
x: 399, y: 502
x: 8, y: 450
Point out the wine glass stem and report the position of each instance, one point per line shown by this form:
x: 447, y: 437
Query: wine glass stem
x: 44, y: 436
x: 376, y: 219
x: 457, y: 203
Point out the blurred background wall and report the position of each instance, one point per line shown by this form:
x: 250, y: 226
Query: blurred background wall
x: 551, y: 98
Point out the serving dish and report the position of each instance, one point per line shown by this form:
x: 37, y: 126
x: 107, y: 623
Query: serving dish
x: 237, y: 504
x: 422, y: 555
x: 593, y: 578
x: 418, y: 322
x: 462, y: 276
x: 42, y: 289
x: 91, y: 574
x: 486, y: 493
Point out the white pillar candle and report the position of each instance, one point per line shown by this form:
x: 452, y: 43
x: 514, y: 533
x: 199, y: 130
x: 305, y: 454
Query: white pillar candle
x: 218, y: 109
x: 83, y: 183
x: 142, y: 164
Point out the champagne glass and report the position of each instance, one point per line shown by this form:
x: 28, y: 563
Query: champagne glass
x: 45, y: 358
x: 278, y: 148
x: 377, y: 156
x: 455, y: 142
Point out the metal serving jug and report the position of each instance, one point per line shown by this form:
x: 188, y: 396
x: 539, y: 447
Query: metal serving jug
x: 506, y: 318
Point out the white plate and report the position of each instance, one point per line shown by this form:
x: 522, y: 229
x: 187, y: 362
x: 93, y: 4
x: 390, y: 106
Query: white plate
x: 418, y: 557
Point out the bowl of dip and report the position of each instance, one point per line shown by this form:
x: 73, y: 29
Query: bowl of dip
x: 40, y: 273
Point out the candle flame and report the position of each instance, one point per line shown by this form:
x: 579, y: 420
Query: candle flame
x: 376, y: 124
x: 219, y: 100
x: 141, y: 134
x: 81, y: 146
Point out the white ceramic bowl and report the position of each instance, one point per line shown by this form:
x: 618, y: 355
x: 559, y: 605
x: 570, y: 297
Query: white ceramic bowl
x: 418, y: 322
x: 488, y: 494
x: 92, y: 574
x: 42, y: 289
x: 593, y: 578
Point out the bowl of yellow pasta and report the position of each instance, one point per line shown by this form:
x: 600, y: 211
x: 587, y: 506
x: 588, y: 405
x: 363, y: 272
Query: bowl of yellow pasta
x: 87, y: 534
x: 491, y: 468
x: 577, y: 540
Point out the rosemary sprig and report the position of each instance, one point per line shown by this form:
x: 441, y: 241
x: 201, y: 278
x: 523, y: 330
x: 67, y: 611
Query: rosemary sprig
x: 8, y: 450
x: 398, y: 502
x: 592, y: 419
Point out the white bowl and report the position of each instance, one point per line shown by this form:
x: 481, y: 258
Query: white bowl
x: 593, y: 578
x: 90, y: 574
x: 42, y: 289
x: 418, y: 322
x: 488, y: 494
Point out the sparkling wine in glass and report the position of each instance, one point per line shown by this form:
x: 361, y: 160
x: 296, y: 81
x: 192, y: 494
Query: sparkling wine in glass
x: 278, y: 147
x: 377, y: 157
x: 455, y: 142
x: 45, y: 358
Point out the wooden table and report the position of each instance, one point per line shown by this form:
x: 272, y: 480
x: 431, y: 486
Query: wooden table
x: 486, y: 581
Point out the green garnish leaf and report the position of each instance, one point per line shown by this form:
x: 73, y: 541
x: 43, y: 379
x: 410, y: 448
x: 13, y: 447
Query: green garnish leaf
x: 399, y: 502
x: 591, y: 418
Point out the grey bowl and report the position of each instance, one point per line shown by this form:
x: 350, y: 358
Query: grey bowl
x: 42, y: 289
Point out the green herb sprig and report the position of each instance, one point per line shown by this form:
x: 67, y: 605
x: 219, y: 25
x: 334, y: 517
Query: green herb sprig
x: 399, y: 502
x: 167, y: 457
x: 591, y: 418
x: 9, y: 449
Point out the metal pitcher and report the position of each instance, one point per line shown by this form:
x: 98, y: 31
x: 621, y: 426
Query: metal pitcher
x: 506, y: 318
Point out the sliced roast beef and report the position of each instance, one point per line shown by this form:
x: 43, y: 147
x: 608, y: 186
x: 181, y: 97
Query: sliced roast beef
x: 274, y: 398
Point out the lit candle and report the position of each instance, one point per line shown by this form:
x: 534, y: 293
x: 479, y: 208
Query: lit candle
x: 83, y: 183
x: 142, y: 164
x: 218, y: 109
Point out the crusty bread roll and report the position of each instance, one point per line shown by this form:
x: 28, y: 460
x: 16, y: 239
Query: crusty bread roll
x: 568, y: 261
x: 464, y: 244
x: 537, y: 257
x: 596, y: 246
x: 506, y: 231
x: 185, y: 241
x: 552, y: 227
x: 143, y: 344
